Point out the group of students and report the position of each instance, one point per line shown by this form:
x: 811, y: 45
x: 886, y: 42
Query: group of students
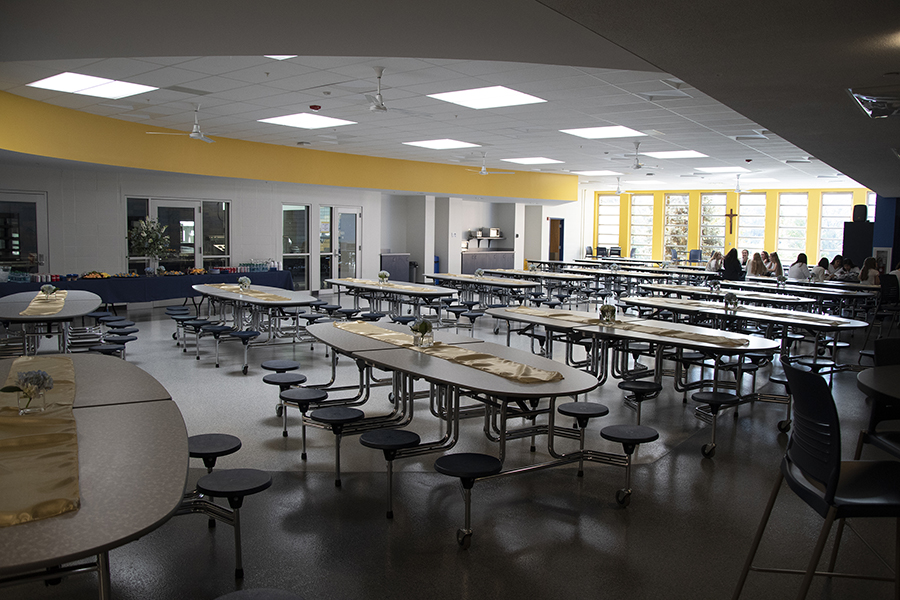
x: 765, y: 264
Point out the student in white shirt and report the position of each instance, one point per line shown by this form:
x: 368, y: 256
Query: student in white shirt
x: 820, y: 271
x: 869, y: 272
x: 799, y: 270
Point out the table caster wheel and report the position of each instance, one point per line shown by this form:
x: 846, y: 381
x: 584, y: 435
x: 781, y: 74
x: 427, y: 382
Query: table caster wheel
x: 708, y: 450
x: 244, y: 370
x: 623, y: 497
x: 174, y: 336
x: 464, y: 538
x: 784, y: 426
x: 279, y: 410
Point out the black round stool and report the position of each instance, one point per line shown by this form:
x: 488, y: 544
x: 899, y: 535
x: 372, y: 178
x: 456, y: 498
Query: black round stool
x: 120, y: 324
x: 209, y: 447
x: 111, y: 318
x: 347, y: 313
x: 716, y: 402
x: 216, y: 331
x: 179, y: 319
x: 468, y: 466
x: 302, y: 397
x: 195, y: 326
x: 372, y: 316
x: 336, y: 417
x: 110, y: 349
x: 96, y: 315
x: 234, y: 485
x: 245, y: 337
x: 582, y: 412
x: 390, y: 441
x: 280, y: 366
x: 330, y: 308
x: 642, y: 390
x: 260, y: 594
x: 630, y: 436
x: 317, y: 303
x: 472, y: 316
x: 403, y: 319
x: 121, y: 340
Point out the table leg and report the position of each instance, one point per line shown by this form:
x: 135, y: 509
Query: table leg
x: 103, y: 574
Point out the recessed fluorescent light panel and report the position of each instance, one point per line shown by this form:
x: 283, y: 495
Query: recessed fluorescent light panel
x: 595, y: 173
x: 444, y: 144
x: 600, y: 133
x: 722, y: 169
x: 533, y: 160
x: 307, y: 121
x: 280, y: 56
x: 675, y: 154
x: 489, y: 97
x: 87, y: 85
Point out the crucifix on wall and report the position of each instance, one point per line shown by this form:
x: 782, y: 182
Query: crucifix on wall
x: 731, y: 215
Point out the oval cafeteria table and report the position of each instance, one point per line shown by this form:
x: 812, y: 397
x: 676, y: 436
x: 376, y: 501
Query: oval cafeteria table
x: 78, y: 303
x: 133, y: 464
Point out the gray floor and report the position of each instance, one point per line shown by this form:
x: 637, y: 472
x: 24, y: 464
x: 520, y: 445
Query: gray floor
x: 540, y: 535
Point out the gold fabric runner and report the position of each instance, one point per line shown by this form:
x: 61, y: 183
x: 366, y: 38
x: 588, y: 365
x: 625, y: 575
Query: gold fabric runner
x: 236, y: 289
x: 488, y: 363
x: 474, y: 278
x: 796, y: 316
x: 44, y: 306
x: 389, y: 285
x: 39, y: 452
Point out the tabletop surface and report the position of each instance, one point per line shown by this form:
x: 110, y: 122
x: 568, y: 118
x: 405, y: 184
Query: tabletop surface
x: 809, y: 290
x: 347, y: 342
x: 752, y: 296
x: 78, y: 303
x: 133, y: 463
x: 508, y: 282
x: 880, y: 383
x: 293, y: 298
x: 398, y: 288
x: 540, y: 274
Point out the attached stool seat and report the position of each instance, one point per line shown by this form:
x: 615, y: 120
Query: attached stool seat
x: 96, y: 315
x: 233, y: 485
x: 280, y: 366
x: 716, y: 401
x: 245, y: 337
x: 372, y: 316
x: 260, y: 594
x: 210, y: 446
x: 120, y: 340
x: 642, y: 390
x: 390, y: 441
x: 468, y: 467
x: 195, y: 326
x: 110, y: 318
x: 330, y: 308
x: 336, y: 417
x: 302, y: 397
x: 347, y: 313
x: 630, y: 436
x: 582, y: 412
x: 216, y: 331
x: 284, y: 381
x: 120, y: 323
x: 179, y: 319
x: 472, y: 316
x: 317, y: 303
x: 404, y: 319
x: 110, y: 349
x: 126, y: 331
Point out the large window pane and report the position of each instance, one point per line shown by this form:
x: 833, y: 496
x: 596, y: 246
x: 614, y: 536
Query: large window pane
x: 18, y: 235
x: 837, y: 208
x: 641, y: 233
x: 295, y: 244
x: 712, y: 223
x: 675, y: 232
x: 608, y: 220
x: 792, y: 211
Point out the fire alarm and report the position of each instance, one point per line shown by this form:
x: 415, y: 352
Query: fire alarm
x: 315, y: 107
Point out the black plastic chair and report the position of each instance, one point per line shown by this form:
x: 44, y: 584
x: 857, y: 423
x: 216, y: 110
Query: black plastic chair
x: 835, y: 489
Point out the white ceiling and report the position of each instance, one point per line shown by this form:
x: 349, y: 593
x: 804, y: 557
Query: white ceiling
x: 236, y: 91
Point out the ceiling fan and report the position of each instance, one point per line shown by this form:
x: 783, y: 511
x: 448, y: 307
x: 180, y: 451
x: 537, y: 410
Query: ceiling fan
x: 637, y: 165
x: 195, y: 133
x: 376, y: 102
x: 483, y: 170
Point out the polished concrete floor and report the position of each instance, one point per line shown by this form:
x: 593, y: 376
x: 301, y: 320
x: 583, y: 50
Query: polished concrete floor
x: 546, y: 534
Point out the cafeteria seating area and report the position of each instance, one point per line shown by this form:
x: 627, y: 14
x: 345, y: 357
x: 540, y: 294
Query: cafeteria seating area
x: 685, y: 533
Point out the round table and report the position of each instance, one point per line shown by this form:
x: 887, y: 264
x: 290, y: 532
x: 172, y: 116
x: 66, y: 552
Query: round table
x: 78, y: 303
x: 880, y: 383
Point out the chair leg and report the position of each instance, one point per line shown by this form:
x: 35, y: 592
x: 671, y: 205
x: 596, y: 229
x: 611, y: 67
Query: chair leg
x: 837, y: 543
x: 390, y: 496
x: 758, y: 537
x: 238, y: 559
x: 337, y: 457
x: 817, y: 553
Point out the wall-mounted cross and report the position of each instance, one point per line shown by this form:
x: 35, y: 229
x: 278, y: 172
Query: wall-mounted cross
x: 731, y: 215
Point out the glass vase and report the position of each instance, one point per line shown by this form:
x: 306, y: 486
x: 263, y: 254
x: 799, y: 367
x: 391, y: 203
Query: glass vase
x: 423, y: 340
x: 28, y: 405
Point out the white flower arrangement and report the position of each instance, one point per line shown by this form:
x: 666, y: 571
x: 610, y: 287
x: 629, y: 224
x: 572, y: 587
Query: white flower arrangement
x: 48, y: 289
x: 244, y: 282
x: 30, y: 384
x: 479, y: 273
x: 383, y: 276
x: 148, y: 238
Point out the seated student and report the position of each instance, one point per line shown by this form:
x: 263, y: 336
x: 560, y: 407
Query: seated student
x: 745, y: 257
x: 847, y: 272
x: 869, y: 272
x: 757, y: 268
x: 800, y: 268
x: 731, y: 266
x: 820, y: 271
x: 836, y: 263
x: 715, y: 262
x: 896, y: 272
x: 775, y: 265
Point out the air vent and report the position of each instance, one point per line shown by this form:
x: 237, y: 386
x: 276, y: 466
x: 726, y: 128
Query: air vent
x: 878, y: 102
x: 184, y: 90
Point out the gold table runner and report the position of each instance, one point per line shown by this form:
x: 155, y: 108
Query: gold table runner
x: 812, y: 319
x: 44, y: 306
x: 39, y: 452
x: 482, y: 361
x: 260, y: 295
x: 473, y: 277
x: 389, y: 285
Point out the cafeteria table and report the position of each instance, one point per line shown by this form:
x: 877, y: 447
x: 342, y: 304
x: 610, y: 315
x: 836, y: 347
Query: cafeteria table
x: 133, y: 465
x: 77, y: 304
x: 469, y: 285
x: 696, y: 291
x: 395, y: 293
x: 264, y: 313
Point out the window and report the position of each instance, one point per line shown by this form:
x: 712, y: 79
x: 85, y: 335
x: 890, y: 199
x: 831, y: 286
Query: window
x: 216, y: 247
x: 751, y: 225
x: 295, y: 244
x: 608, y: 220
x: 712, y: 223
x: 675, y: 232
x: 837, y: 208
x: 642, y: 225
x: 792, y: 209
x: 870, y: 203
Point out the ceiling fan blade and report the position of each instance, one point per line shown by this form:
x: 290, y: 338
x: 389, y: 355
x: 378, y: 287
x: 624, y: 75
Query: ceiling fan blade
x: 206, y: 139
x: 164, y: 133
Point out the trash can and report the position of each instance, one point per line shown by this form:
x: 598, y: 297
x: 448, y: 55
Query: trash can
x: 413, y: 271
x: 437, y: 264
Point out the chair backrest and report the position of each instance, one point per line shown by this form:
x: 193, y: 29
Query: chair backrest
x: 890, y: 289
x: 588, y: 251
x: 815, y: 444
x: 887, y: 352
x: 615, y: 251
x: 602, y: 251
x: 674, y: 255
x: 633, y: 252
x: 695, y: 256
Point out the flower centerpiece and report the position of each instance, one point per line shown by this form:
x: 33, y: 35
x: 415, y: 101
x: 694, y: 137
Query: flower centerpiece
x: 479, y: 273
x: 48, y: 290
x: 780, y: 281
x: 244, y: 282
x: 30, y: 385
x: 383, y: 277
x: 614, y: 267
x: 715, y: 286
x: 731, y: 302
x: 423, y: 336
x: 608, y: 310
x: 148, y: 238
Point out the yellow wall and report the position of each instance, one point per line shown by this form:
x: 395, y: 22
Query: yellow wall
x: 31, y: 127
x: 771, y: 235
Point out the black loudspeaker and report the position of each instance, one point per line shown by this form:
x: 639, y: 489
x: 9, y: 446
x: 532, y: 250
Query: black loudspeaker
x: 860, y: 213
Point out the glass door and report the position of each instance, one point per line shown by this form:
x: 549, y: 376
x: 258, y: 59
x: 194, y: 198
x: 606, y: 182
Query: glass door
x: 182, y: 221
x: 339, y: 243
